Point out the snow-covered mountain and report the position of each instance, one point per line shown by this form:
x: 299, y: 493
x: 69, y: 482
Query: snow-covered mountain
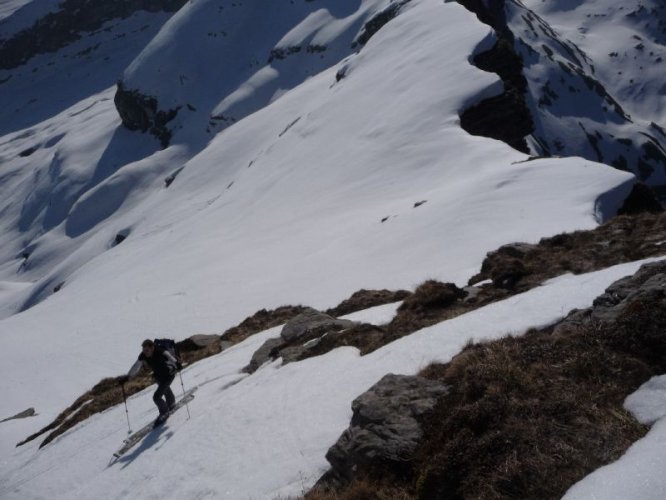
x: 166, y: 174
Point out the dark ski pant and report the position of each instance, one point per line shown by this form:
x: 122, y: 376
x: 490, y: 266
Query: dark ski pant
x: 163, y: 397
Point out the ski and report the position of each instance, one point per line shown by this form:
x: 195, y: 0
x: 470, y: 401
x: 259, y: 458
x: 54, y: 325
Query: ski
x: 134, y: 438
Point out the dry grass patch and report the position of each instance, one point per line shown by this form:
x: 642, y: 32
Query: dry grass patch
x: 104, y: 395
x: 368, y: 488
x: 513, y: 269
x: 260, y: 321
x: 519, y: 267
x: 365, y: 299
x: 528, y: 417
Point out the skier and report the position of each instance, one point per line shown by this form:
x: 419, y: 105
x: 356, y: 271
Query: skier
x: 164, y: 366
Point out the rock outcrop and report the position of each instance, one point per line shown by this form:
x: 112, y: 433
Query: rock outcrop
x: 30, y: 412
x: 140, y: 112
x: 648, y: 283
x: 299, y: 334
x: 384, y: 429
x: 66, y: 25
x: 505, y: 117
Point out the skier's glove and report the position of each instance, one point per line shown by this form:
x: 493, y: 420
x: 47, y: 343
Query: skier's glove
x: 179, y: 366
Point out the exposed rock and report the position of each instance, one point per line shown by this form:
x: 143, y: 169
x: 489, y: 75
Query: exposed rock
x: 172, y: 176
x: 309, y: 320
x: 225, y: 344
x: 647, y: 283
x: 30, y: 412
x: 260, y: 321
x: 64, y: 26
x: 505, y: 117
x: 378, y: 21
x: 267, y: 352
x: 297, y: 337
x: 641, y: 199
x: 516, y: 249
x: 624, y: 238
x: 508, y: 274
x: 384, y: 430
x: 203, y: 340
x: 140, y: 112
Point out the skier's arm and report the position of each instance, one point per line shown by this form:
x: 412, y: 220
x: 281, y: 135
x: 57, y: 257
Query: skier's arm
x: 136, y: 368
x: 170, y: 358
x: 172, y: 361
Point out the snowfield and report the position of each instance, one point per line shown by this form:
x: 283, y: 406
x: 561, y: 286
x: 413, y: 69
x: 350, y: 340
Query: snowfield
x: 265, y: 435
x: 286, y: 207
x: 342, y: 169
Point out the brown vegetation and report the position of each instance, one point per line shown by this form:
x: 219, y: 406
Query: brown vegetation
x: 104, y: 395
x: 260, y: 321
x: 519, y: 267
x: 365, y: 299
x: 513, y: 269
x: 528, y: 417
x: 108, y: 393
x: 368, y: 488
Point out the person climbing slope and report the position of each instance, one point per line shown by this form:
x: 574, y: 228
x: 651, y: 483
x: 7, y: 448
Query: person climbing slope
x: 164, y: 366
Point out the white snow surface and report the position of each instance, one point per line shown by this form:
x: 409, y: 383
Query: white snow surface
x: 262, y: 435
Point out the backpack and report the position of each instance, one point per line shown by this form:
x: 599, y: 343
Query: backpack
x: 168, y: 345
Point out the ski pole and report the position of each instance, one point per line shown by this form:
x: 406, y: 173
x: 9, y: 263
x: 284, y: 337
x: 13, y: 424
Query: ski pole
x: 129, y: 428
x: 183, y: 386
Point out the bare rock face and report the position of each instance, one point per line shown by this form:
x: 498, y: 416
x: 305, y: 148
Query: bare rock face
x: 66, y: 25
x: 384, y: 430
x: 141, y: 112
x: 297, y: 336
x: 641, y: 199
x: 648, y: 282
x: 30, y: 412
x: 309, y: 320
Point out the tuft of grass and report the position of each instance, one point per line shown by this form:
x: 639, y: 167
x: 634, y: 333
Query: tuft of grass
x: 260, y: 321
x: 365, y: 299
x: 622, y: 239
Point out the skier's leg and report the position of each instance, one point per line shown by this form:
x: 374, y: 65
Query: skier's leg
x: 168, y: 394
x: 158, y: 396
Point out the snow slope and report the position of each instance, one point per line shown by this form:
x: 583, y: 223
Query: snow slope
x: 287, y: 206
x: 264, y: 435
x: 341, y: 169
